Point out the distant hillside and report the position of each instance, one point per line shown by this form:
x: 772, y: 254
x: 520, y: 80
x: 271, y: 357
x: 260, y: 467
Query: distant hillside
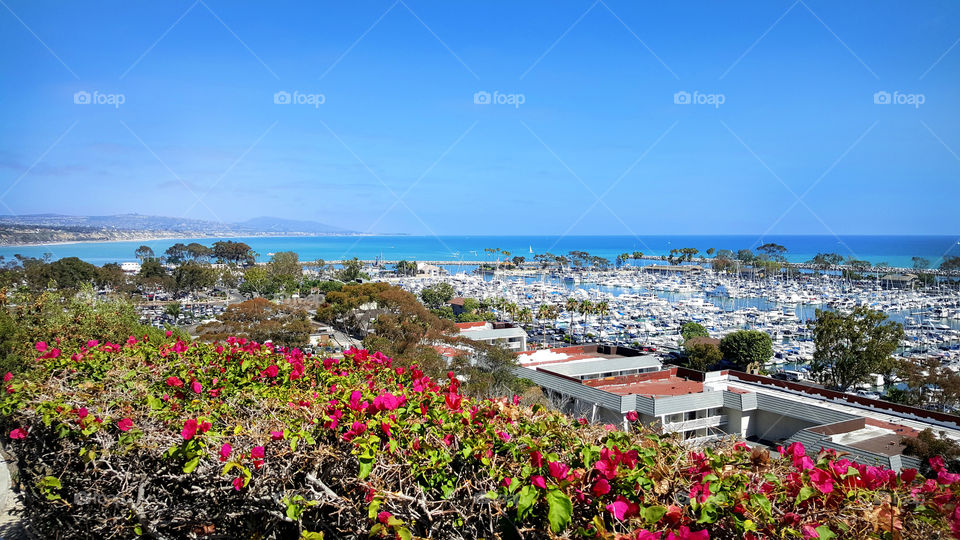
x: 46, y: 228
x: 280, y: 225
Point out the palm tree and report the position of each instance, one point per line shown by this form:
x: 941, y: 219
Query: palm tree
x: 543, y: 313
x: 586, y: 308
x: 571, y: 306
x: 512, y: 309
x: 601, y: 309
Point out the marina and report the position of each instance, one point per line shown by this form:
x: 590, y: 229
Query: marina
x: 647, y: 309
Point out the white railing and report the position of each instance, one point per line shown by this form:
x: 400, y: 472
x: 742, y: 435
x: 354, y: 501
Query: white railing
x: 696, y: 423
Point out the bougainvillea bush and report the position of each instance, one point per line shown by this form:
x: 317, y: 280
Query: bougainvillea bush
x: 173, y: 439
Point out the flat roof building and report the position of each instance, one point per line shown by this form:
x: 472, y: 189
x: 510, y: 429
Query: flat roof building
x: 704, y: 406
x: 505, y: 334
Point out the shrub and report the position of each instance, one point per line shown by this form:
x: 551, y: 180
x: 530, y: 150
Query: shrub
x: 166, y: 438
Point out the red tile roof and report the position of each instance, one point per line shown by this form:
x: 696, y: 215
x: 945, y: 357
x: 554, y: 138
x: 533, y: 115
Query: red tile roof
x: 467, y: 325
x: 658, y: 383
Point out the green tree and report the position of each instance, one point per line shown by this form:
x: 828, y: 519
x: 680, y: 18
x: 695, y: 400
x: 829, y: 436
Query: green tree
x: 405, y: 268
x: 920, y: 263
x: 144, y: 253
x: 351, y: 271
x: 71, y: 272
x: 111, y: 275
x: 747, y: 348
x: 585, y: 308
x: 437, y: 295
x: 176, y: 253
x: 228, y: 251
x: 602, y: 309
x: 199, y: 252
x: 851, y: 347
x: 571, y: 306
x: 692, y: 329
x: 700, y: 356
x: 950, y: 264
x: 257, y: 282
x: 774, y: 252
x: 192, y: 276
x: 285, y: 271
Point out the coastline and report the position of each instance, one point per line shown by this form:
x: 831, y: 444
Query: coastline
x: 157, y: 238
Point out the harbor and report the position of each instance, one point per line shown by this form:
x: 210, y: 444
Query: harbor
x: 647, y: 309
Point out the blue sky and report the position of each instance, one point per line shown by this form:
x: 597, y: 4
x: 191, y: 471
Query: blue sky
x: 598, y: 145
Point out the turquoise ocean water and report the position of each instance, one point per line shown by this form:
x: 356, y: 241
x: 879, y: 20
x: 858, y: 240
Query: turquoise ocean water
x: 894, y: 250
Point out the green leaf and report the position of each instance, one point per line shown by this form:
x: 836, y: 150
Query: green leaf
x: 154, y: 402
x: 825, y: 532
x: 805, y: 493
x: 191, y: 465
x: 652, y: 514
x: 403, y: 533
x: 561, y: 510
x: 308, y: 535
x: 528, y: 496
x: 763, y: 503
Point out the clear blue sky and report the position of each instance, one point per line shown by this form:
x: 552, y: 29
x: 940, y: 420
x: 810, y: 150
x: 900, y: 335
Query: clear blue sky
x: 598, y: 118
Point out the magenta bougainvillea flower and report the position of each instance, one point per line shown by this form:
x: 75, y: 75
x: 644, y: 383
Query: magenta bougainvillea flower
x: 276, y: 435
x: 8, y: 377
x: 618, y: 509
x: 684, y: 533
x: 632, y: 416
x: 238, y: 483
x: 225, y: 451
x: 189, y: 429
x: 125, y: 424
x: 41, y: 346
x: 174, y: 381
x: 196, y: 387
x: 600, y: 487
x: 558, y: 470
x: 821, y: 480
x: 538, y: 481
x: 257, y: 454
x: 19, y: 433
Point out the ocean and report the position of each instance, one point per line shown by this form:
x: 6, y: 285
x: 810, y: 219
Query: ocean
x: 893, y: 250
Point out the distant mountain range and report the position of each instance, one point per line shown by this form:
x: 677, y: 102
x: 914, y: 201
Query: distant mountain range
x: 46, y: 228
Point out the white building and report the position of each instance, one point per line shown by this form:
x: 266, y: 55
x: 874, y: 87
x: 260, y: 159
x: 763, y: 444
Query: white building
x: 505, y: 334
x: 704, y: 406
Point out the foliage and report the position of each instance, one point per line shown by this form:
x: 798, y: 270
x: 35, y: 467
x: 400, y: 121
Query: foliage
x: 166, y: 438
x: 261, y: 320
x: 928, y: 383
x: 228, y: 251
x: 193, y: 276
x: 950, y: 263
x: 851, y: 347
x: 285, y: 271
x: 351, y: 271
x: 700, y: 356
x: 437, y: 295
x: 747, y: 348
x: 54, y: 317
x: 927, y: 445
x: 692, y: 329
